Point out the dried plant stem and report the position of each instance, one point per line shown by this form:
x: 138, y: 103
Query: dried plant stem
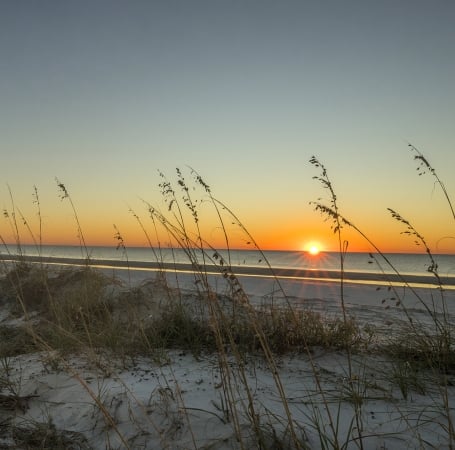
x: 426, y: 166
x: 65, y: 195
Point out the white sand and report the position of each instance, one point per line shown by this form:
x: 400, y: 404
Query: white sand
x: 179, y: 404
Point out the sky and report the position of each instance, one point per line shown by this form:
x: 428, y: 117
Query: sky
x: 105, y: 94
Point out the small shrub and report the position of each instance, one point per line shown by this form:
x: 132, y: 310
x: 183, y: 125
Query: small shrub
x: 25, y: 286
x: 432, y: 351
x: 177, y: 328
x: 407, y: 377
x: 15, y: 340
x: 40, y: 436
x: 297, y: 330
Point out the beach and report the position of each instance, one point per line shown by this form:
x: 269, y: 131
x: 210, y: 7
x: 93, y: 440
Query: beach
x: 319, y: 397
x: 227, y: 225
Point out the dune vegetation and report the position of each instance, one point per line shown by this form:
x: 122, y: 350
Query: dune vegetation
x: 92, y: 360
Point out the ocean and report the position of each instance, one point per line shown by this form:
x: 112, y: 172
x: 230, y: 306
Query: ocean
x: 360, y: 266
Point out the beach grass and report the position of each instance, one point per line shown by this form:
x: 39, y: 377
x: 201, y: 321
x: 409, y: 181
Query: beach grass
x: 78, y: 319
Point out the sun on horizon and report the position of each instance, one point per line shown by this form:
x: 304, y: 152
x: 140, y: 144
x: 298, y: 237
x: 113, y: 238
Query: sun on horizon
x: 313, y: 248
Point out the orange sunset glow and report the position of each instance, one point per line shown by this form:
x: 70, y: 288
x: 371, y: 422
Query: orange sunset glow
x: 307, y: 232
x: 108, y: 111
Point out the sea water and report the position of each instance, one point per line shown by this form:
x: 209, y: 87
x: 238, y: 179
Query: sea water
x: 367, y: 263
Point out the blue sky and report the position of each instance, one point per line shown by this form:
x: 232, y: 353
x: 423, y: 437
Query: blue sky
x: 102, y: 94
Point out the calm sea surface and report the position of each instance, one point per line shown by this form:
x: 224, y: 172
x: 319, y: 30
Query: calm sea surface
x: 405, y: 263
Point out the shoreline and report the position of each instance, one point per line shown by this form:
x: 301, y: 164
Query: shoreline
x: 311, y: 274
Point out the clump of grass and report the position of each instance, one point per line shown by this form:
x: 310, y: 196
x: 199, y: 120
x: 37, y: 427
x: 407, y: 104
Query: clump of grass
x: 24, y: 285
x: 80, y: 300
x: 85, y: 312
x: 300, y: 330
x: 176, y: 327
x: 7, y: 384
x: 70, y: 309
x: 32, y: 435
x: 16, y: 340
x: 429, y: 350
x: 407, y: 375
x: 312, y: 329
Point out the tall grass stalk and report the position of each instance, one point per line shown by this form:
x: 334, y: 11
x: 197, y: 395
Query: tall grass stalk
x: 197, y: 249
x: 442, y: 341
x: 424, y: 166
x: 20, y: 266
x: 333, y: 213
x: 121, y: 246
x: 65, y: 195
x: 251, y: 240
x: 12, y: 219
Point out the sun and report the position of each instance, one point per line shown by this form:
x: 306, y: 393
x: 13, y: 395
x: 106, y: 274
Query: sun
x: 313, y: 250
